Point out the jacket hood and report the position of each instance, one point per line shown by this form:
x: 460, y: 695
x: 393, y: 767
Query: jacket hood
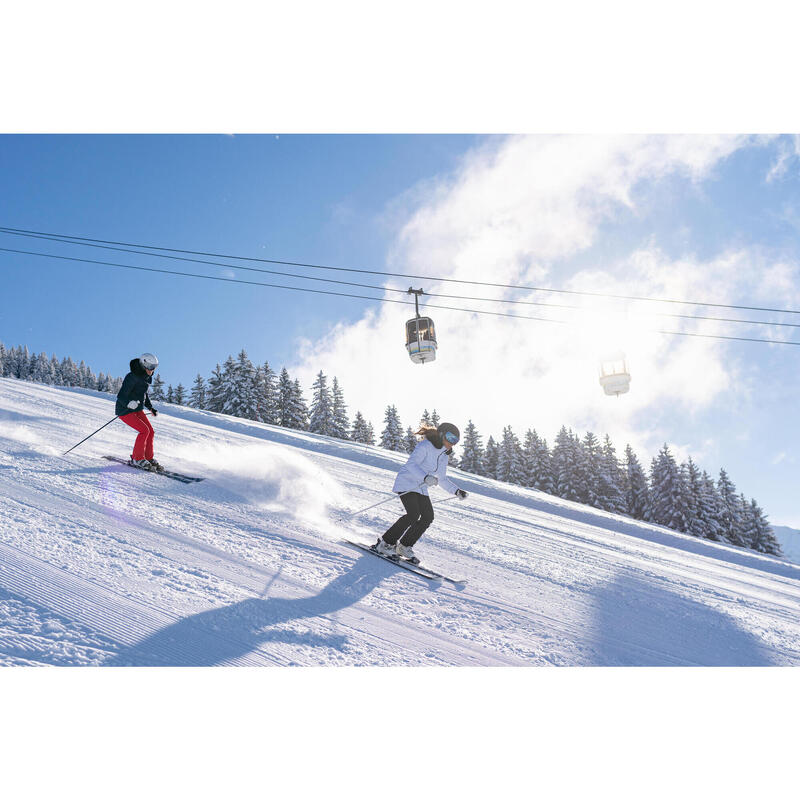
x: 138, y: 369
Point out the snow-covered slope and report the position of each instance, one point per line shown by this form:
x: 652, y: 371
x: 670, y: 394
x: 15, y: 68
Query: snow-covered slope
x: 102, y: 564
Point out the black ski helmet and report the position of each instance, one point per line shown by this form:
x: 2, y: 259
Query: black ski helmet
x: 449, y: 433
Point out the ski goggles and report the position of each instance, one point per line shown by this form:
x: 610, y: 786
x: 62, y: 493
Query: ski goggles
x: 451, y: 437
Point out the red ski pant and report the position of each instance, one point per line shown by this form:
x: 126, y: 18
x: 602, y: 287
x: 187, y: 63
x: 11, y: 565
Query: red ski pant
x: 143, y: 447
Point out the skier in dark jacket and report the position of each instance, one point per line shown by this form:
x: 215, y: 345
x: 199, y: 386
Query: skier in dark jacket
x: 426, y: 467
x: 132, y: 399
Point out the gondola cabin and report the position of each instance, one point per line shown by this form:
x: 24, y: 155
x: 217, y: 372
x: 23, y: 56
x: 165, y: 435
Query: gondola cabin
x: 614, y: 375
x: 421, y: 339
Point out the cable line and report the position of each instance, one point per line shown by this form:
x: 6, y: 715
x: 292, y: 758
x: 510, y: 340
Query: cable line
x: 374, y: 299
x: 55, y: 238
x: 81, y: 239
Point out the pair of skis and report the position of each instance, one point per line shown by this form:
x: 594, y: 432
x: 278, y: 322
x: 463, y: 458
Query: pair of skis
x: 176, y: 476
x: 423, y: 572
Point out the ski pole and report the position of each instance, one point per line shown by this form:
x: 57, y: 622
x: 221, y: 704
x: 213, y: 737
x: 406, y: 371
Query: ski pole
x: 375, y: 505
x: 444, y: 500
x: 89, y: 436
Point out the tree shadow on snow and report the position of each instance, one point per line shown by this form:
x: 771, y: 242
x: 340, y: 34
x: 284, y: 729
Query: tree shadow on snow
x: 643, y: 624
x: 223, y: 635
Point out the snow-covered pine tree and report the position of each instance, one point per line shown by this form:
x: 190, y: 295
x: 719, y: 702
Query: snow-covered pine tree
x: 509, y: 458
x: 759, y: 532
x: 435, y: 418
x: 471, y: 450
x: 530, y: 458
x: 341, y: 423
x: 215, y: 399
x: 23, y: 365
x: 587, y: 465
x: 267, y: 394
x: 258, y: 390
x: 157, y: 389
x: 742, y: 509
x: 730, y: 521
x: 698, y: 524
x: 298, y: 412
x: 410, y: 440
x: 243, y: 401
x: 229, y: 390
x: 51, y: 372
x: 170, y: 394
x: 490, y: 458
x: 39, y: 369
x: 197, y: 397
x: 69, y: 372
x: 9, y: 363
x: 179, y: 398
x: 668, y: 492
x: 3, y: 357
x: 86, y: 378
x: 710, y: 508
x: 637, y: 491
x: 392, y: 434
x: 321, y: 420
x: 55, y: 371
x: 610, y: 480
x: 34, y: 372
x: 565, y: 458
x: 361, y: 431
x: 689, y: 499
x: 425, y: 419
x: 285, y: 392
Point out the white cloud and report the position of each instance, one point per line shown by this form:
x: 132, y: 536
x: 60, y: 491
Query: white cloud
x: 515, y: 212
x: 788, y: 150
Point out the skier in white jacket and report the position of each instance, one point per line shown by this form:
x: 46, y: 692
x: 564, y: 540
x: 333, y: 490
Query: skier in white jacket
x: 427, y: 466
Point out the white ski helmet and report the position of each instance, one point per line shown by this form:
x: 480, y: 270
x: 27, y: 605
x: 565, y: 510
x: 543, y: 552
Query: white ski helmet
x: 148, y: 361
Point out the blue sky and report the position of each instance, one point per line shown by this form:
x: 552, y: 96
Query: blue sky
x: 285, y: 197
x: 704, y: 217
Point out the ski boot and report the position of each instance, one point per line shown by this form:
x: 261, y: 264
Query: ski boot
x: 384, y: 549
x: 406, y: 553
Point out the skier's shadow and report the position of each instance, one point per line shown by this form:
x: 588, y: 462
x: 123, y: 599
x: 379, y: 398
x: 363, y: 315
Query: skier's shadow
x: 222, y: 635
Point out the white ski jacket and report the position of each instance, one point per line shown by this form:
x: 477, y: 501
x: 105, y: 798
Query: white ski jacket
x: 425, y: 460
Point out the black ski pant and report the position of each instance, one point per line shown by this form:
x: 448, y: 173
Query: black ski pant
x: 418, y: 516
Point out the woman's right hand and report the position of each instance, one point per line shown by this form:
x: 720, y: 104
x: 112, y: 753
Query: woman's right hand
x: 431, y: 480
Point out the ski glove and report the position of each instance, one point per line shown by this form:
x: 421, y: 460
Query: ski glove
x: 461, y: 494
x: 431, y: 480
x: 133, y: 404
x: 154, y: 412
